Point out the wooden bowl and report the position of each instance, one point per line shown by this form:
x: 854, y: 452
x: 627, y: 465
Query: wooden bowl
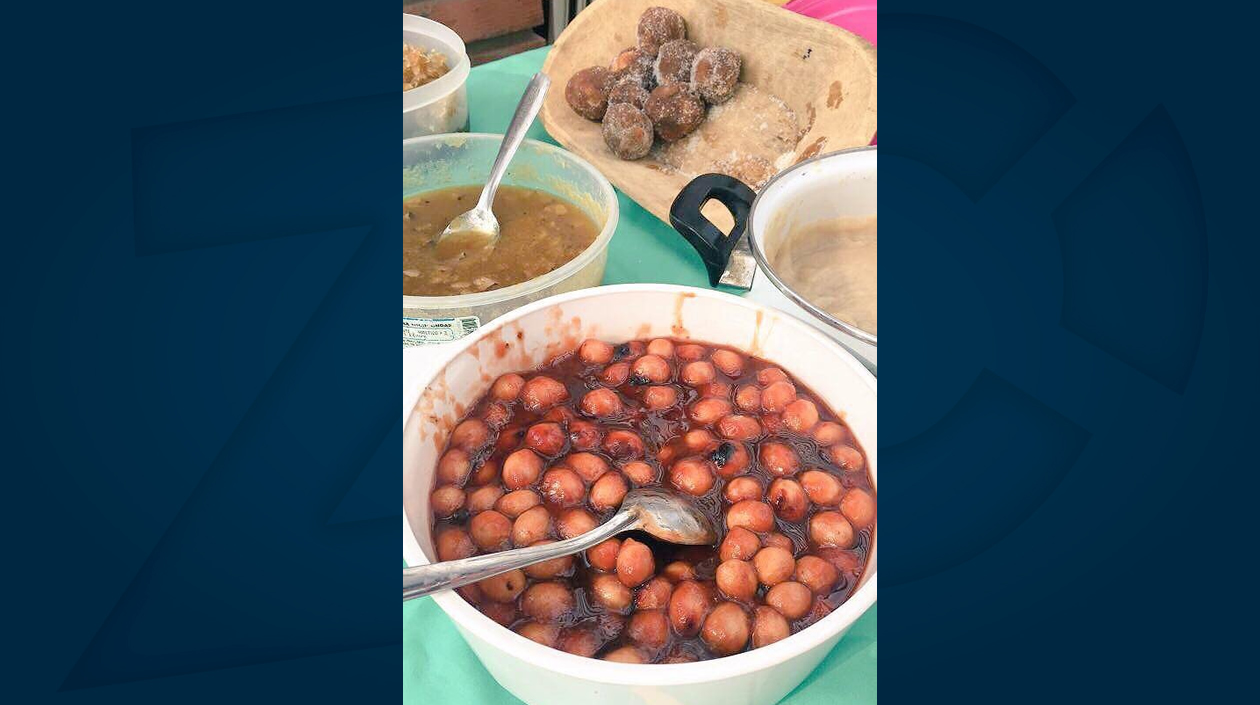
x: 824, y: 74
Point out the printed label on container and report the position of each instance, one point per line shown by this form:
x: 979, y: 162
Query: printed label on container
x: 427, y: 331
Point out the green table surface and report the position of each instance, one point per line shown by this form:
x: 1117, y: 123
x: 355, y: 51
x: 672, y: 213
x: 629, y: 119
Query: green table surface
x: 437, y: 665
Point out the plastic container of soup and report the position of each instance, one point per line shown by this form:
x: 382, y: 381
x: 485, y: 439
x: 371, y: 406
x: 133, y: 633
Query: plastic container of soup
x: 443, y: 161
x: 440, y: 105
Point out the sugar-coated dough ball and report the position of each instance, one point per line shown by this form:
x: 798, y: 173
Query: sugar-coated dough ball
x: 634, y: 63
x: 673, y: 62
x: 658, y: 25
x: 628, y: 90
x: 587, y: 92
x: 675, y: 111
x: 715, y: 73
x: 627, y: 131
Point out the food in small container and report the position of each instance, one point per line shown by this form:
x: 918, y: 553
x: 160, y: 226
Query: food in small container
x: 422, y: 66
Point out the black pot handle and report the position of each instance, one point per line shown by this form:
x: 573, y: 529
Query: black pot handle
x: 715, y: 248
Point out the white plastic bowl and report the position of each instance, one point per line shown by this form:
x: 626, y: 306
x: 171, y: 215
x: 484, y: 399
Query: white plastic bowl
x: 442, y: 105
x: 528, y: 336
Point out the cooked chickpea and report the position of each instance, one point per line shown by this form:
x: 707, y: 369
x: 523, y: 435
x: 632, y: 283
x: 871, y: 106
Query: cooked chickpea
x: 770, y: 375
x: 634, y: 563
x: 446, y: 500
x: 545, y: 439
x: 691, y: 475
x: 575, y: 522
x: 554, y: 568
x: 485, y: 474
x: 748, y: 398
x: 697, y: 373
x: 823, y: 488
x: 650, y: 368
x: 716, y: 390
x: 595, y: 352
x: 654, y: 595
x: 608, y: 591
x: 603, y: 556
x: 502, y: 612
x: 542, y: 393
x: 615, y: 374
x: 755, y: 516
x: 739, y: 428
x: 453, y: 544
x: 708, y: 411
x: 531, y: 526
x: 791, y: 599
x: 560, y: 415
x: 666, y: 454
x: 688, y: 606
x: 649, y: 628
x: 639, y: 472
x: 730, y: 363
x: 483, y: 498
x: 768, y: 627
x: 829, y: 433
x: 546, y: 602
x: 689, y: 351
x: 622, y: 444
x: 779, y: 540
x: 470, y: 435
x: 737, y: 580
x: 497, y: 415
x: 774, y: 565
x: 545, y: 634
x: 508, y: 387
x: 562, y: 487
x: 505, y: 587
x: 588, y: 465
x: 660, y: 397
x: 726, y: 629
x: 740, y: 544
x: 858, y: 506
x: 580, y: 642
x: 509, y: 438
x: 741, y: 489
x: 453, y: 468
x: 777, y: 396
x: 847, y: 562
x: 772, y: 423
x: 513, y: 504
x: 730, y: 459
x: 678, y: 571
x: 779, y: 459
x: 788, y: 499
x: 490, y: 530
x: 830, y: 529
x: 661, y: 347
x: 846, y: 458
x: 584, y: 435
x: 521, y: 469
x: 471, y: 592
x: 625, y: 654
x: 608, y: 491
x: 816, y: 574
x: 602, y: 403
x: 800, y: 416
x: 699, y: 440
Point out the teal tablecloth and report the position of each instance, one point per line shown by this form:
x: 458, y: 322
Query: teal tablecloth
x: 438, y: 667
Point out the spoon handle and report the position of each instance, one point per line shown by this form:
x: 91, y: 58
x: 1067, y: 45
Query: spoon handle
x: 427, y: 579
x: 526, y: 111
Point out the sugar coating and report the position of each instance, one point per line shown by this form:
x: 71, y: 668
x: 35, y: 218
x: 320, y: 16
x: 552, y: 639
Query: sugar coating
x: 628, y: 90
x: 674, y: 60
x: 635, y: 63
x: 675, y: 111
x: 587, y: 92
x: 627, y: 131
x: 715, y: 73
x: 658, y: 25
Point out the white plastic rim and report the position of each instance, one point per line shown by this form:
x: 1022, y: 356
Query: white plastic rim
x: 549, y: 659
x: 606, y: 196
x: 442, y: 38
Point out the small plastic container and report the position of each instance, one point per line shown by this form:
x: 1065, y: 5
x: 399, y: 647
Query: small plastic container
x: 438, y: 106
x: 442, y: 161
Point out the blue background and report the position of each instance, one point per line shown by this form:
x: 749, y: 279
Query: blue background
x: 200, y: 355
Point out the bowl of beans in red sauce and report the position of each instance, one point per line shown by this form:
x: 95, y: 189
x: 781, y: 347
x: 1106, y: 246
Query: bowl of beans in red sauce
x: 535, y: 431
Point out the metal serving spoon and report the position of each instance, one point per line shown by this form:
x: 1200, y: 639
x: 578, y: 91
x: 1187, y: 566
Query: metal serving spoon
x: 664, y: 514
x: 478, y: 228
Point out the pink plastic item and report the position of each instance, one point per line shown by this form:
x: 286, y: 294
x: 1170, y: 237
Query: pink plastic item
x: 856, y: 16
